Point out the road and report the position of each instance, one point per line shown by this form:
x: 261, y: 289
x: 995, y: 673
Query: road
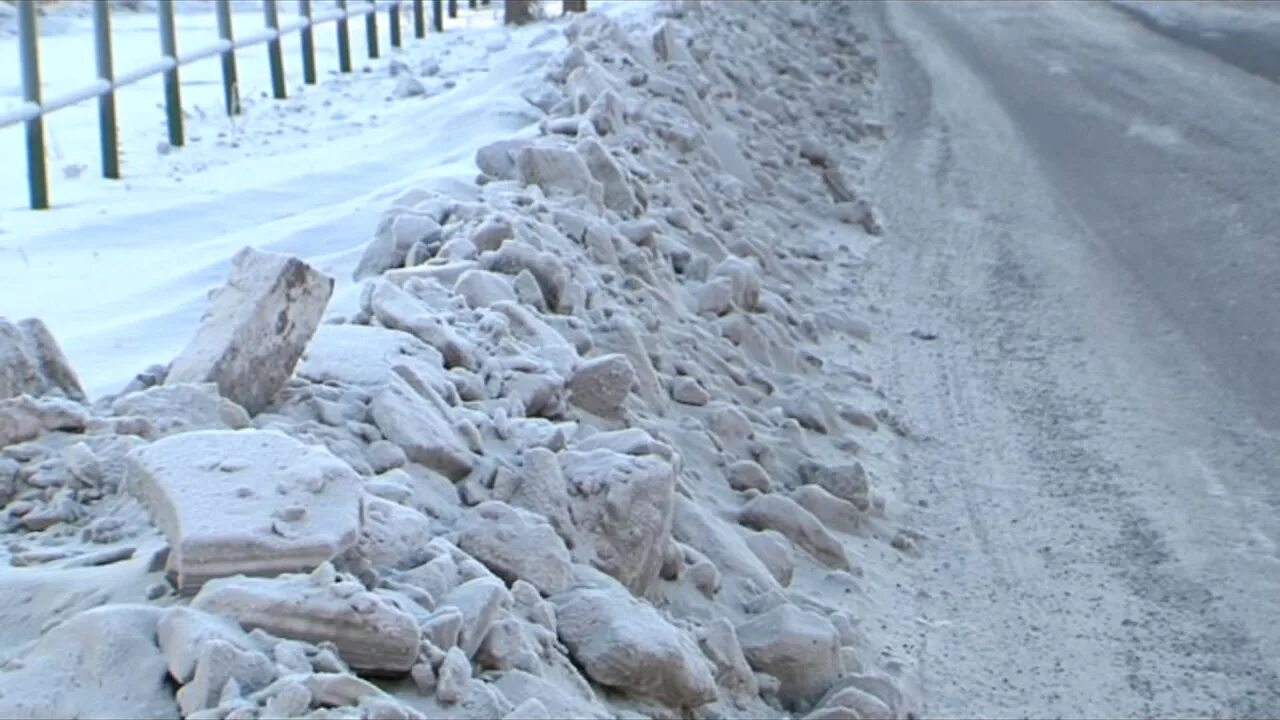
x: 1084, y: 207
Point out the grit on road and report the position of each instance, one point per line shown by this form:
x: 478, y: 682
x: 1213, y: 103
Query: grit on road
x: 1086, y: 212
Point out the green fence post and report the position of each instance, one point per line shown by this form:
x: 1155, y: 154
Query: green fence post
x: 230, y: 83
x: 172, y: 87
x: 371, y: 29
x: 308, y: 45
x: 29, y: 59
x: 344, y: 42
x: 393, y: 19
x: 453, y: 8
x: 437, y: 15
x: 271, y: 15
x: 106, y: 101
x: 419, y: 20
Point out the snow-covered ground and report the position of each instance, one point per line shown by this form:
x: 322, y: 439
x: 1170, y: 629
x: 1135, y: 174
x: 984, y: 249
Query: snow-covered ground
x: 119, y: 269
x: 592, y: 436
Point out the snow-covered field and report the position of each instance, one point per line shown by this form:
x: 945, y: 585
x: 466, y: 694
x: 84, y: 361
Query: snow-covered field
x: 119, y: 269
x: 542, y: 394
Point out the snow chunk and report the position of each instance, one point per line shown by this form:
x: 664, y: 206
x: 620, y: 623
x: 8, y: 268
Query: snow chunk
x: 256, y: 329
x: 479, y: 600
x: 419, y: 425
x: 31, y: 362
x: 847, y: 482
x: 370, y: 634
x: 183, y: 632
x: 744, y: 276
x: 408, y: 86
x: 249, y: 501
x: 618, y: 195
x: 397, y: 232
x: 722, y: 544
x: 601, y: 385
x: 687, y: 391
x: 725, y: 146
x: 363, y: 355
x: 556, y: 700
x: 455, y: 673
x: 531, y: 709
x: 799, y: 647
x: 183, y: 407
x: 622, y: 506
x: 23, y: 418
x: 626, y: 644
x: 748, y: 475
x: 509, y: 644
x: 774, y: 550
x: 481, y: 288
x: 783, y: 514
x: 399, y: 310
x: 540, y: 488
x: 394, y: 536
x: 862, y: 704
x: 558, y: 170
x: 719, y: 642
x: 222, y: 672
x: 516, y: 545
x: 498, y: 160
x: 833, y: 511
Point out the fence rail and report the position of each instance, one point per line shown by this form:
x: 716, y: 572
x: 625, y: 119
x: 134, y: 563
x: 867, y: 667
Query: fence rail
x: 33, y: 108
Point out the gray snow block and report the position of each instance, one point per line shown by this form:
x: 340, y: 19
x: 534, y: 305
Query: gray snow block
x: 256, y: 329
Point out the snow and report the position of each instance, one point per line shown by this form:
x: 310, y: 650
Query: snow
x: 119, y: 270
x: 502, y: 409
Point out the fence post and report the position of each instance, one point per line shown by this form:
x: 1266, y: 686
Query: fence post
x: 371, y: 29
x: 453, y: 9
x: 419, y: 20
x: 29, y: 57
x: 517, y: 12
x: 437, y: 15
x: 106, y: 101
x: 471, y: 4
x: 172, y: 88
x: 575, y: 6
x: 308, y: 45
x: 393, y: 19
x: 271, y: 14
x: 230, y: 83
x: 344, y: 42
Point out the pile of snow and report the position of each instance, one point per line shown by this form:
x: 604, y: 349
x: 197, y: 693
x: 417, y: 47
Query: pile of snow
x: 594, y: 442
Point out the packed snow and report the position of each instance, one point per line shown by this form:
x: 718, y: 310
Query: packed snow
x: 542, y: 396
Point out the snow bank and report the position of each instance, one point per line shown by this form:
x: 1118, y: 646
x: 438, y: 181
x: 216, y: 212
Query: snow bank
x: 593, y: 441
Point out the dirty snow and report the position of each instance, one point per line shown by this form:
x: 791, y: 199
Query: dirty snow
x: 591, y: 436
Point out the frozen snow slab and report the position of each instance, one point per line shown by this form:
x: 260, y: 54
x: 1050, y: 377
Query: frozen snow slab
x: 247, y: 502
x: 256, y: 329
x: 371, y: 635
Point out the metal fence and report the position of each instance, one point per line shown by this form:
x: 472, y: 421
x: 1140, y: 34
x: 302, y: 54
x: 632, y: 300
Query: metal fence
x: 34, y: 108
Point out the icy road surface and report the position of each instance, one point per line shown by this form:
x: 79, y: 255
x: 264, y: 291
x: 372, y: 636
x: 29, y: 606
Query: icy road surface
x: 1086, y: 213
